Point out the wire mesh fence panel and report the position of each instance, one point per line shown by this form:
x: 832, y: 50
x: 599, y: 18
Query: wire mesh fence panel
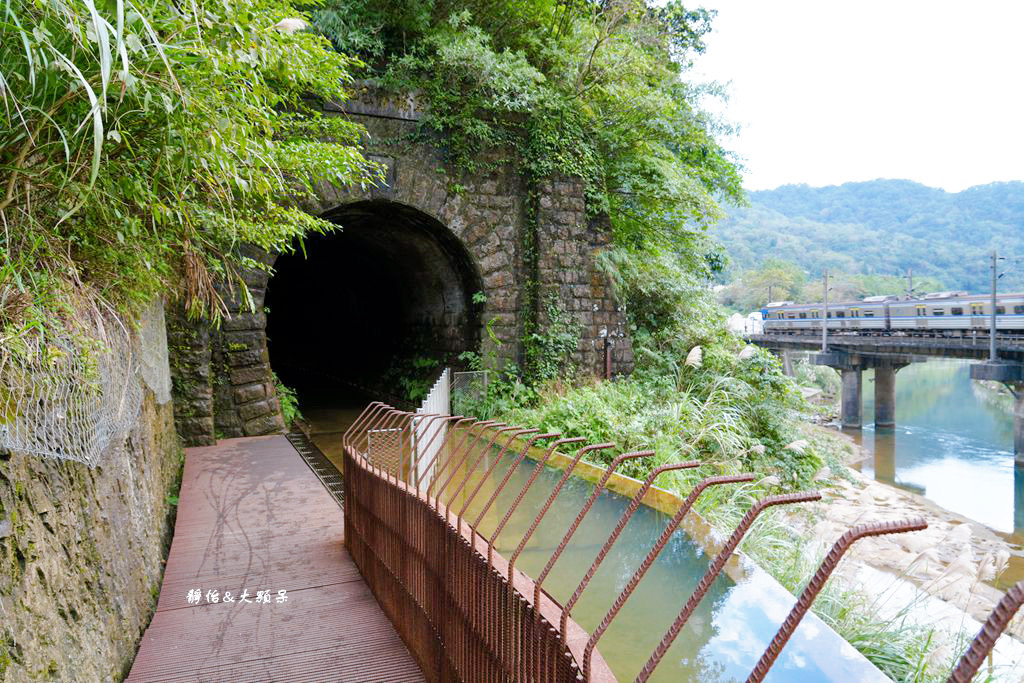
x: 468, y: 389
x: 71, y: 398
x: 389, y: 449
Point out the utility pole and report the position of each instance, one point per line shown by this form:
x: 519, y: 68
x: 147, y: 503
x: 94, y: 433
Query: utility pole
x: 910, y: 283
x: 824, y: 319
x: 992, y: 357
x: 770, y: 299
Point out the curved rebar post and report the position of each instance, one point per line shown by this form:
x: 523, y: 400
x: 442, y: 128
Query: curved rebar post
x: 522, y: 494
x: 508, y: 475
x: 479, y: 485
x: 360, y: 418
x: 634, y: 505
x: 826, y: 568
x: 488, y: 424
x: 472, y: 469
x: 988, y: 635
x: 454, y: 454
x: 550, y: 501
x: 716, y: 567
x: 444, y: 441
x: 652, y: 555
x: 583, y: 510
x: 400, y: 424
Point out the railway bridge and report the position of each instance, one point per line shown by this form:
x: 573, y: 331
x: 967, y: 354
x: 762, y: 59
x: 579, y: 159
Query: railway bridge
x: 851, y: 352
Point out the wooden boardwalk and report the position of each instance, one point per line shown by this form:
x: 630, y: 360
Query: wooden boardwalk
x: 252, y: 517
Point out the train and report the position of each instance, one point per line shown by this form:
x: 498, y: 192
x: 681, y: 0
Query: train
x: 943, y: 314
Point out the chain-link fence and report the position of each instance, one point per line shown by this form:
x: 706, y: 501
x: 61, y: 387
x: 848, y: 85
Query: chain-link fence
x: 468, y: 389
x: 71, y: 398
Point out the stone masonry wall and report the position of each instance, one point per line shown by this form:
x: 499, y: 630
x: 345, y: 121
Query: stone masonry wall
x: 228, y: 369
x: 81, y: 553
x: 222, y: 382
x: 567, y: 245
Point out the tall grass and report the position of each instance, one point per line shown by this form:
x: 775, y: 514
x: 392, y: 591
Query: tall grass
x: 142, y: 142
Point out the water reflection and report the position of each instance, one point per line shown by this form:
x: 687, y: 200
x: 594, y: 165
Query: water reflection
x: 952, y: 443
x: 725, y: 636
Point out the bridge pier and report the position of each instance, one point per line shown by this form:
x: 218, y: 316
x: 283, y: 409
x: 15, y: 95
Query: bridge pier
x: 1012, y: 376
x: 787, y: 363
x: 851, y: 412
x: 885, y: 394
x: 851, y: 367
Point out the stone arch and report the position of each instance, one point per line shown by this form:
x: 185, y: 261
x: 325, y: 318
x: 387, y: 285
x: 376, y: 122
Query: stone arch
x: 520, y: 247
x: 392, y: 286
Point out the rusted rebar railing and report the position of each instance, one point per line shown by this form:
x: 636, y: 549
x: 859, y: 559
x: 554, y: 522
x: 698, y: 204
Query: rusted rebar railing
x: 990, y: 631
x: 633, y: 506
x: 508, y: 475
x: 522, y: 494
x: 716, y: 568
x: 464, y: 611
x: 598, y: 489
x: 463, y: 618
x: 828, y: 565
x: 652, y: 555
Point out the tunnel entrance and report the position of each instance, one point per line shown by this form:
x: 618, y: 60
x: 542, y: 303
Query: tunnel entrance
x: 373, y: 310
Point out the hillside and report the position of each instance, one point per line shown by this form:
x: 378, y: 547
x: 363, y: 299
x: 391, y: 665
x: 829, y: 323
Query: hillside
x: 882, y: 227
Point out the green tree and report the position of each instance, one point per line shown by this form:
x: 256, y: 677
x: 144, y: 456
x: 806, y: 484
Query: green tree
x: 594, y: 90
x: 775, y: 280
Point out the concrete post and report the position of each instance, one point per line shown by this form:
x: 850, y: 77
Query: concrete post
x: 851, y: 412
x: 787, y: 363
x: 885, y: 396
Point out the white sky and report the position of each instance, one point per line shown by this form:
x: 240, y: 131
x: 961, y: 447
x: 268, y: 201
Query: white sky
x: 832, y: 91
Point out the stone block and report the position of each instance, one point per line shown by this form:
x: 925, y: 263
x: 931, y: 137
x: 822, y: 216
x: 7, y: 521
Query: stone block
x: 195, y: 431
x: 248, y: 375
x: 244, y: 321
x: 249, y: 393
x: 254, y: 278
x: 201, y: 407
x: 266, y: 424
x: 251, y: 411
x: 244, y: 340
x: 240, y: 359
x: 501, y: 278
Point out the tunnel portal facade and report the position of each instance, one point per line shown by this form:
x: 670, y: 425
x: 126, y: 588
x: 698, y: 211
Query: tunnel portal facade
x: 426, y: 266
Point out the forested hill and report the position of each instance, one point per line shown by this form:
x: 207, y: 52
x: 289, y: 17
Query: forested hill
x: 882, y: 227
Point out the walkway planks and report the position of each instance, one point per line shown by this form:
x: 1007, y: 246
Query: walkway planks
x: 253, y: 517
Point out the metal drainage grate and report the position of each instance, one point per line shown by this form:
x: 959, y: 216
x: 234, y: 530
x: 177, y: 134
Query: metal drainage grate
x: 323, y: 468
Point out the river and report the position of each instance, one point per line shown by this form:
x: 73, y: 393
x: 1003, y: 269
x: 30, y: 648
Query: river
x: 952, y: 444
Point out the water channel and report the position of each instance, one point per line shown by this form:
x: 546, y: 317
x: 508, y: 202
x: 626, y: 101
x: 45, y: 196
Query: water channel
x: 952, y: 444
x: 724, y: 638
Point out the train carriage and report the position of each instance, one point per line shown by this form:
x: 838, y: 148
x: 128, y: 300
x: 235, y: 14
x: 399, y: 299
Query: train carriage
x: 938, y: 313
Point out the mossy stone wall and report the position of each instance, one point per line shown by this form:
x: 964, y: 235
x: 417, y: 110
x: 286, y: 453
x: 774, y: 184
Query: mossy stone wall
x: 82, y: 551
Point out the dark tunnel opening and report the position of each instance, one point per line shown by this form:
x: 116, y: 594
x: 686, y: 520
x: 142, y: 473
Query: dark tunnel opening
x: 370, y: 308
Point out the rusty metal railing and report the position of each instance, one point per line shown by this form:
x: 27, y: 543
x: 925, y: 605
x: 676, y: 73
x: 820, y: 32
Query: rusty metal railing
x: 466, y: 613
